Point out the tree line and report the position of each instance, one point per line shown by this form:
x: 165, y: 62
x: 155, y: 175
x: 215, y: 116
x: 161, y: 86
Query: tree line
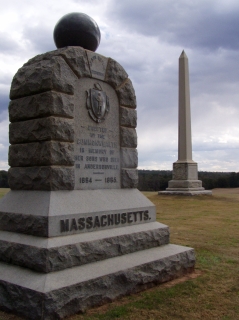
x: 3, y: 179
x: 155, y: 180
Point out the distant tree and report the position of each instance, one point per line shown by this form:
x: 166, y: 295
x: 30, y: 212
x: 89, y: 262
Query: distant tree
x: 208, y: 183
x: 164, y: 181
x: 153, y: 180
x: 223, y: 182
x: 3, y: 179
x: 233, y: 180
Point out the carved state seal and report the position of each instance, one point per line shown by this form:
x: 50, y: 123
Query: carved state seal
x: 97, y: 103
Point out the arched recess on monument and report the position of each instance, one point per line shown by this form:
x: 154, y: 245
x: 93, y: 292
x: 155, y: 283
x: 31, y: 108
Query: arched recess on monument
x: 47, y: 150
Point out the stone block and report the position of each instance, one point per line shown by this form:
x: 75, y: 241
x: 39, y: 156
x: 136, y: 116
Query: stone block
x: 128, y: 117
x: 129, y: 158
x: 98, y: 64
x: 52, y: 254
x: 59, y: 294
x: 43, y: 56
x: 42, y: 105
x: 42, y: 129
x: 24, y: 223
x: 129, y: 178
x: 115, y: 74
x: 128, y: 207
x: 185, y: 184
x: 41, y: 154
x: 75, y: 57
x: 185, y: 171
x: 186, y: 192
x: 126, y: 94
x: 41, y: 178
x: 128, y: 137
x: 42, y: 76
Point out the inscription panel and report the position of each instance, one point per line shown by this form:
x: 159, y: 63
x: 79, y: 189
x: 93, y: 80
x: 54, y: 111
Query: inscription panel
x: 97, y: 64
x: 97, y: 140
x: 88, y: 223
x: 192, y: 171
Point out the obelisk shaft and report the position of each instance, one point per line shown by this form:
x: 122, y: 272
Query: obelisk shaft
x: 185, y: 170
x: 184, y: 113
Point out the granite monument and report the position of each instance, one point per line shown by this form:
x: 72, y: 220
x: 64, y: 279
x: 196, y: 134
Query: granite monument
x: 74, y: 230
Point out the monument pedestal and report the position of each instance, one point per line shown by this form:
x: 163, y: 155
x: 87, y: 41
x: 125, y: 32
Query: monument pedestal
x: 74, y: 230
x: 185, y: 192
x: 91, y: 252
x: 185, y: 180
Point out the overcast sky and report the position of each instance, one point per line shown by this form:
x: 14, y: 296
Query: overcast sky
x: 147, y: 38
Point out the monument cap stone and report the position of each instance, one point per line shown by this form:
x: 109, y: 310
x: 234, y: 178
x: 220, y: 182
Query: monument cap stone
x: 77, y: 29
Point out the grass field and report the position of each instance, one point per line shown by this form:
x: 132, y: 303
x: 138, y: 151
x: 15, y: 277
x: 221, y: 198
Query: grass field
x: 209, y: 224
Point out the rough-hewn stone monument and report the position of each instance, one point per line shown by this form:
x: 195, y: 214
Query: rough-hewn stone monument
x: 75, y: 231
x: 185, y: 170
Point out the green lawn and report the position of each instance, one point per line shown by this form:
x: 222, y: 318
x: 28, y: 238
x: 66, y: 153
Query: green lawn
x: 3, y: 191
x: 210, y: 224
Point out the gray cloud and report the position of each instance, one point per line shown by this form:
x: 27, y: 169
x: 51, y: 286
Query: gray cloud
x: 40, y: 38
x: 7, y: 43
x: 190, y: 24
x: 4, y: 101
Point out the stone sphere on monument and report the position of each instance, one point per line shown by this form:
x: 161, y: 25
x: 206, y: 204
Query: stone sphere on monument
x: 77, y: 29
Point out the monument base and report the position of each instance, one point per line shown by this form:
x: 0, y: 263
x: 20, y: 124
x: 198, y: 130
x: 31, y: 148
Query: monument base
x: 62, y: 213
x: 185, y: 187
x: 185, y: 193
x: 107, y: 246
x: 185, y: 180
x: 59, y: 294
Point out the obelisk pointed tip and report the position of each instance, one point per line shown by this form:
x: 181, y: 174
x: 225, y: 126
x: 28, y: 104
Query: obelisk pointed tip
x: 183, y: 55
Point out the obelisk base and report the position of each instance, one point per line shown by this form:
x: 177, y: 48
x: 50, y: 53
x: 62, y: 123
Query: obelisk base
x: 185, y: 180
x: 185, y: 192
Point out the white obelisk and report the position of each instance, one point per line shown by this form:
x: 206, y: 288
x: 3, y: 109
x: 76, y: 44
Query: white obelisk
x: 185, y: 171
x: 184, y: 112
